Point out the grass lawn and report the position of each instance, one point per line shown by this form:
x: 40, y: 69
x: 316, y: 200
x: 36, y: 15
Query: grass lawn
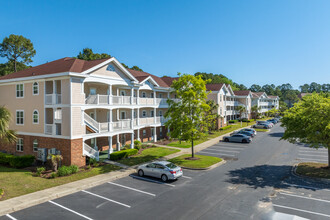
x: 148, y: 155
x: 261, y: 130
x: 313, y: 170
x: 17, y: 182
x: 203, y: 162
x: 187, y: 144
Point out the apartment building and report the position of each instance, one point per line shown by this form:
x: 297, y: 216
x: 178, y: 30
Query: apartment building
x: 77, y: 108
x: 264, y: 101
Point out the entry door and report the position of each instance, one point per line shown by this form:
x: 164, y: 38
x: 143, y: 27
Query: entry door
x: 152, y: 133
x: 123, y: 115
x: 92, y: 91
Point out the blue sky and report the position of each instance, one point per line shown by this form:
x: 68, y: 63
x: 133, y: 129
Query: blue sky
x: 249, y: 41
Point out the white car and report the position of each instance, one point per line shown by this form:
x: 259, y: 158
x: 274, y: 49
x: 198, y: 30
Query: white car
x: 161, y: 169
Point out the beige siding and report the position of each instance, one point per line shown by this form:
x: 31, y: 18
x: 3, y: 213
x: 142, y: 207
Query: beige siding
x: 77, y: 126
x: 66, y: 121
x: 28, y: 104
x: 65, y: 91
x: 78, y: 97
x: 114, y: 74
x: 213, y: 96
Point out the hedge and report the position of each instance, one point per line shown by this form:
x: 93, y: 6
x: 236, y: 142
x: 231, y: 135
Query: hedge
x: 245, y: 120
x: 233, y: 121
x: 66, y: 171
x: 226, y: 127
x: 16, y: 161
x: 123, y: 154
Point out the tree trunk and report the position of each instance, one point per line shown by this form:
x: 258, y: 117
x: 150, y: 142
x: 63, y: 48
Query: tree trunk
x: 15, y: 65
x: 192, y: 145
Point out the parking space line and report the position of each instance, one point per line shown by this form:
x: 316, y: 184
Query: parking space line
x: 304, y: 197
x: 311, y: 159
x: 221, y: 150
x: 242, y: 148
x: 313, y: 149
x: 217, y: 153
x: 110, y: 200
x: 11, y: 217
x: 187, y: 177
x: 311, y: 155
x: 151, y: 194
x: 314, y: 152
x: 307, y: 187
x: 150, y: 180
x: 301, y: 210
x: 70, y: 210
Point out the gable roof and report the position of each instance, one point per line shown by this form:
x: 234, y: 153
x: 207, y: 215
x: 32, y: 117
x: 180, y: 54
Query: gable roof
x: 141, y: 76
x: 273, y: 96
x: 214, y: 87
x: 242, y: 92
x: 169, y: 80
x: 66, y: 64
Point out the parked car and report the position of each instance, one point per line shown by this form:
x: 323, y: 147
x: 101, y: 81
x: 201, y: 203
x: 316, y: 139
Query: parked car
x: 250, y: 130
x: 274, y: 121
x: 161, y: 169
x: 262, y: 126
x: 265, y: 122
x: 247, y: 133
x: 237, y: 138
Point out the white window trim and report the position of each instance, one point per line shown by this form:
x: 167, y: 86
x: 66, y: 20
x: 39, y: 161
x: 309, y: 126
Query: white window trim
x: 144, y: 95
x: 23, y: 116
x: 144, y: 111
x: 16, y: 90
x: 36, y: 123
x: 21, y: 146
x: 161, y: 113
x: 33, y: 88
x: 152, y: 113
x: 33, y: 145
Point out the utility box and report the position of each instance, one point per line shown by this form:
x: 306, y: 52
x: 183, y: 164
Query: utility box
x: 52, y: 151
x: 42, y: 154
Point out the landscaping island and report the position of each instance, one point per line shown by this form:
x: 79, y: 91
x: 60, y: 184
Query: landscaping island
x: 315, y: 170
x: 203, y: 162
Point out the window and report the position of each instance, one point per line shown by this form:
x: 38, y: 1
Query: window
x: 35, y: 88
x: 161, y: 132
x: 35, y: 145
x: 20, y: 117
x: 158, y: 166
x: 160, y: 95
x: 144, y: 133
x: 144, y: 114
x: 20, y: 90
x: 151, y: 95
x: 144, y: 95
x: 92, y: 91
x: 35, y: 117
x: 19, y: 144
x: 152, y: 113
x: 160, y: 113
x: 134, y: 114
x: 123, y: 93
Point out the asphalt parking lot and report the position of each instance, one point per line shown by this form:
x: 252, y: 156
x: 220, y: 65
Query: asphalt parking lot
x: 105, y: 201
x: 307, y: 154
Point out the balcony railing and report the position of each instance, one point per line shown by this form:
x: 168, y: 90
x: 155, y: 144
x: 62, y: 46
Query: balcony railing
x: 52, y: 99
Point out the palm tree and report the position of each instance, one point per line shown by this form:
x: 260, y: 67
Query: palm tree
x: 255, y: 111
x: 241, y: 109
x: 6, y: 135
x: 212, y: 115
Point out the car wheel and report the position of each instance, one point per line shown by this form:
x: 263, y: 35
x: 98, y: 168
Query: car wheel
x: 164, y: 178
x: 141, y: 173
x: 226, y: 140
x: 244, y: 141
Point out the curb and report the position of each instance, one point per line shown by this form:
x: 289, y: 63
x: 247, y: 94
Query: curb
x: 294, y: 173
x: 16, y: 204
x: 207, y: 168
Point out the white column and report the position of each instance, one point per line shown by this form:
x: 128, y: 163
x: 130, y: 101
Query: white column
x: 155, y: 118
x: 132, y: 140
x: 132, y: 118
x: 138, y: 116
x: 117, y: 92
x: 110, y: 147
x: 138, y: 96
x: 110, y: 95
x: 138, y: 134
x: 155, y: 134
x: 117, y: 110
x: 132, y: 95
x: 54, y: 92
x: 155, y: 98
x: 118, y: 143
x: 110, y: 120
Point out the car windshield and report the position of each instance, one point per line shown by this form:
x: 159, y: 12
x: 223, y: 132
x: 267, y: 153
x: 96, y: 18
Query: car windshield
x: 171, y: 165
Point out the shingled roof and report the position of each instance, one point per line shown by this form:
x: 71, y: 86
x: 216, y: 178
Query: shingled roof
x: 242, y: 92
x: 214, y: 87
x: 139, y: 75
x: 169, y: 80
x: 66, y: 64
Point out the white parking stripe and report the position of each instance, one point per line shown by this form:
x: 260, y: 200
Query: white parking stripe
x: 312, y: 159
x: 313, y: 155
x: 304, y: 197
x: 11, y: 217
x: 301, y: 210
x: 242, y: 148
x: 151, y: 194
x: 187, y: 177
x: 314, y: 152
x: 313, y: 149
x: 307, y: 187
x: 217, y: 153
x: 70, y: 210
x: 150, y: 180
x: 230, y: 151
x: 110, y: 200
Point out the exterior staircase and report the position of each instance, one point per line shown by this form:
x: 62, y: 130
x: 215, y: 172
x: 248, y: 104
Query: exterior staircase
x: 90, y: 152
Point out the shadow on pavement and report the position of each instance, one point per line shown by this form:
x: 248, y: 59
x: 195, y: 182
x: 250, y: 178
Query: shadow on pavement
x: 277, y: 134
x: 268, y: 176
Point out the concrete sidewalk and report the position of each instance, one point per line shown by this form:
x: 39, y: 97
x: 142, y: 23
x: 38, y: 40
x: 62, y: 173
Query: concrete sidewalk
x: 32, y: 199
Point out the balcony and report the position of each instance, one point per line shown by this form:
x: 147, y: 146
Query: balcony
x: 53, y: 129
x: 53, y: 99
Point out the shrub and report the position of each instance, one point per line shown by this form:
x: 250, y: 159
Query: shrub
x: 40, y: 170
x: 64, y: 171
x: 144, y: 146
x: 5, y: 158
x: 92, y: 161
x: 233, y: 121
x: 127, y: 146
x: 225, y: 127
x: 74, y: 168
x: 21, y: 161
x: 137, y: 144
x: 1, y: 192
x: 89, y: 166
x: 123, y: 154
x: 52, y: 175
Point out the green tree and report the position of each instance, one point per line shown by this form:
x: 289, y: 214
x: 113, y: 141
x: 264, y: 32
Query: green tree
x: 212, y: 115
x: 6, y: 135
x: 269, y: 89
x: 136, y: 68
x: 9, y: 67
x: 17, y: 48
x: 217, y: 78
x: 314, y: 87
x: 304, y: 88
x: 282, y: 106
x: 88, y: 54
x: 187, y: 116
x: 255, y: 110
x: 308, y: 121
x: 255, y: 88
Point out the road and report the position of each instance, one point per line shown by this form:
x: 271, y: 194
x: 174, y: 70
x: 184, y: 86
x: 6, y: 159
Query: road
x: 255, y: 183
